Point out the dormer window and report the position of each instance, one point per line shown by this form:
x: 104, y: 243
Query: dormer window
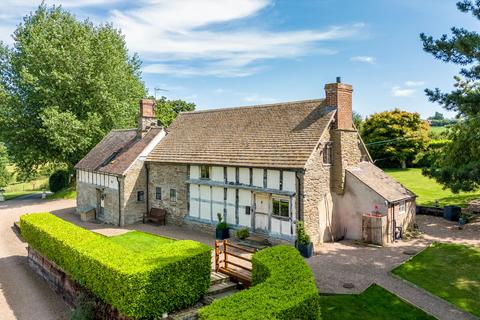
x: 327, y: 153
x: 205, y: 172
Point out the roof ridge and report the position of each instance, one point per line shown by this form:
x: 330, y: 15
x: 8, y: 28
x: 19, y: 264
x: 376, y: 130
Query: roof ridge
x: 254, y: 106
x: 128, y: 129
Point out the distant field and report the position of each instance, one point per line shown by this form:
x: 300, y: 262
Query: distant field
x: 438, y: 129
x: 428, y: 190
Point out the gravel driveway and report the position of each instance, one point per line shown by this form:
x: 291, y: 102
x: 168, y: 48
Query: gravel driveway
x: 23, y: 294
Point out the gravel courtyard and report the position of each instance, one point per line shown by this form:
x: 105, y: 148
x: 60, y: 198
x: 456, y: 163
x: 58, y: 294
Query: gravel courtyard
x: 23, y: 295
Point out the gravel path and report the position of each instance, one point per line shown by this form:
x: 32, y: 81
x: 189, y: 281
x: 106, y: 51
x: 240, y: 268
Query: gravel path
x: 23, y: 294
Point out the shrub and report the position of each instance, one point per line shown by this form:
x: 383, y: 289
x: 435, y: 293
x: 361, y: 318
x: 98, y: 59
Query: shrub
x: 139, y: 285
x: 221, y: 225
x: 302, y: 236
x: 242, y: 233
x: 283, y: 288
x: 59, y: 180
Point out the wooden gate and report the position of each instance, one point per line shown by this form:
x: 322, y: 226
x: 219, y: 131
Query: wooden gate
x: 234, y: 261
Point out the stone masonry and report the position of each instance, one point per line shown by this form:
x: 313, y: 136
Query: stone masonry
x: 135, y: 181
x: 169, y: 176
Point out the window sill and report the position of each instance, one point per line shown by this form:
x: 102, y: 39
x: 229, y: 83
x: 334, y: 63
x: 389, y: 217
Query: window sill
x: 281, y: 217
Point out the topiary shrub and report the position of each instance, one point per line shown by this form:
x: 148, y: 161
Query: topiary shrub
x: 167, y: 277
x: 283, y: 288
x: 243, y: 233
x: 59, y: 180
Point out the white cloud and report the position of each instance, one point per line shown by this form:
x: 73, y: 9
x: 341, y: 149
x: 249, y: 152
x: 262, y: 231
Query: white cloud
x: 365, y: 59
x: 186, y: 38
x: 411, y: 83
x: 402, y: 92
x: 256, y: 98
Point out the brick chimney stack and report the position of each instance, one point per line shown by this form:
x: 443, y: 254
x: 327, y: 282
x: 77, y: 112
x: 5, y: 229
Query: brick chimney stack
x: 339, y: 96
x: 146, y: 117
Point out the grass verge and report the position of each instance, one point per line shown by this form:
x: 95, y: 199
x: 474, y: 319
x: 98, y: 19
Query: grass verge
x: 375, y: 303
x: 428, y: 190
x: 449, y: 271
x: 67, y: 193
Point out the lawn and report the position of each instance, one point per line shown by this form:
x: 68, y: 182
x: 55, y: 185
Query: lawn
x: 450, y: 271
x: 24, y: 188
x: 438, y: 129
x: 428, y: 190
x: 375, y: 303
x: 67, y: 193
x: 139, y: 241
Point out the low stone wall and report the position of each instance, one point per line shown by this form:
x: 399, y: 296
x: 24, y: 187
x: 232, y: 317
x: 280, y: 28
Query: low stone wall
x: 68, y: 288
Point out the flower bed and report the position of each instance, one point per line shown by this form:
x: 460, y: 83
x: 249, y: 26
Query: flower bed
x: 139, y: 285
x: 283, y: 288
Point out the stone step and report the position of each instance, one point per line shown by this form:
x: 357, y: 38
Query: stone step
x: 221, y: 288
x: 217, y: 278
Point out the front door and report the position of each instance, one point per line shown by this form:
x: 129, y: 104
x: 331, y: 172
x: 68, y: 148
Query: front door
x: 100, y: 205
x: 262, y: 205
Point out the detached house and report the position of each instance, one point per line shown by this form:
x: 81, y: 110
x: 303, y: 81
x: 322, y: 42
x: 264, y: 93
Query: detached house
x: 265, y: 167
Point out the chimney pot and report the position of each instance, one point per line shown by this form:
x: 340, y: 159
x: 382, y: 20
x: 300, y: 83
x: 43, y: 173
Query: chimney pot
x: 339, y: 80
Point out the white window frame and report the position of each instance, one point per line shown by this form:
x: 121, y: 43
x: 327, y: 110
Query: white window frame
x: 402, y: 206
x: 207, y: 170
x: 327, y: 156
x: 281, y: 199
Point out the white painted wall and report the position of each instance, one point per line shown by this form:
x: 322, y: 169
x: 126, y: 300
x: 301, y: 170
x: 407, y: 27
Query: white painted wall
x: 205, y: 203
x: 231, y: 174
x: 257, y: 177
x: 98, y: 179
x: 231, y: 206
x: 273, y: 179
x: 216, y: 174
x: 217, y: 202
x: 289, y: 181
x: 244, y: 176
x: 194, y: 201
x: 194, y: 172
x: 244, y: 199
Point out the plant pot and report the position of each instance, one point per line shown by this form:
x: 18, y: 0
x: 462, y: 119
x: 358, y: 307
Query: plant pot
x: 306, y: 250
x: 222, y: 234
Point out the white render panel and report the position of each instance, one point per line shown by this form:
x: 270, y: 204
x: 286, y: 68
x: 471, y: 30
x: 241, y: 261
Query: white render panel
x: 244, y: 199
x: 289, y: 181
x: 275, y: 225
x: 217, y: 202
x: 194, y: 203
x: 231, y: 174
x: 257, y: 179
x: 285, y: 225
x: 217, y: 174
x: 194, y: 172
x: 205, y: 203
x: 231, y: 206
x: 273, y: 179
x: 244, y: 176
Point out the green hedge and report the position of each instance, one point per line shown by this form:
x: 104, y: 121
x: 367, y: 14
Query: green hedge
x: 140, y: 285
x: 283, y: 288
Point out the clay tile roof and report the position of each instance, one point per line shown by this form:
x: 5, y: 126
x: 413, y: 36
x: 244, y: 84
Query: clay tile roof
x: 380, y: 182
x: 277, y: 135
x: 116, y: 152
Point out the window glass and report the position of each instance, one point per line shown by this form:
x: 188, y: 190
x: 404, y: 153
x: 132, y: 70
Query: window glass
x: 401, y: 207
x: 158, y: 193
x: 173, y: 195
x: 204, y: 172
x: 140, y: 196
x: 327, y: 153
x: 280, y: 207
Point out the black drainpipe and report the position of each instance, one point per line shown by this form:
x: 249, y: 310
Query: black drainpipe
x: 299, y: 197
x: 394, y: 223
x: 119, y: 203
x: 146, y: 188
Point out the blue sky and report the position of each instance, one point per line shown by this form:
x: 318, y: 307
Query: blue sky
x: 242, y: 52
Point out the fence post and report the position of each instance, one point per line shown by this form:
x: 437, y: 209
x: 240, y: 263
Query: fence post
x: 225, y: 243
x: 217, y: 256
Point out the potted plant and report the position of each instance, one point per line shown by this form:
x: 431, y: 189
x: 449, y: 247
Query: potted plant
x: 303, y: 243
x: 222, y: 229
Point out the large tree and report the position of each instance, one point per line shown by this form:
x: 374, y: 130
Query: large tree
x: 167, y: 110
x: 459, y: 166
x: 64, y: 84
x: 5, y: 176
x: 395, y: 137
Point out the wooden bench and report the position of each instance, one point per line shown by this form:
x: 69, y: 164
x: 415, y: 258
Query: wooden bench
x: 157, y: 215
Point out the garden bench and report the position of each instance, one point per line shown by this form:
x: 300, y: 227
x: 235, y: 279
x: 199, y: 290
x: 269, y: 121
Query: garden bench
x: 157, y: 215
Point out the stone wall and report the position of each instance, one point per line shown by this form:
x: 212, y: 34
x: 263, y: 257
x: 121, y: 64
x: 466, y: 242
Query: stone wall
x: 68, y: 288
x: 135, y: 181
x: 347, y: 151
x: 316, y: 205
x: 87, y: 199
x: 169, y: 176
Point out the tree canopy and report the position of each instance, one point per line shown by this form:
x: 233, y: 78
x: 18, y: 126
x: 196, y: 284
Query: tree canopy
x: 395, y: 137
x: 458, y: 168
x: 4, y: 174
x: 64, y: 84
x: 167, y: 110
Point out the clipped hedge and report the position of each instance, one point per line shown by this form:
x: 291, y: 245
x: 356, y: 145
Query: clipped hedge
x: 283, y: 288
x: 139, y: 285
x: 59, y: 180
